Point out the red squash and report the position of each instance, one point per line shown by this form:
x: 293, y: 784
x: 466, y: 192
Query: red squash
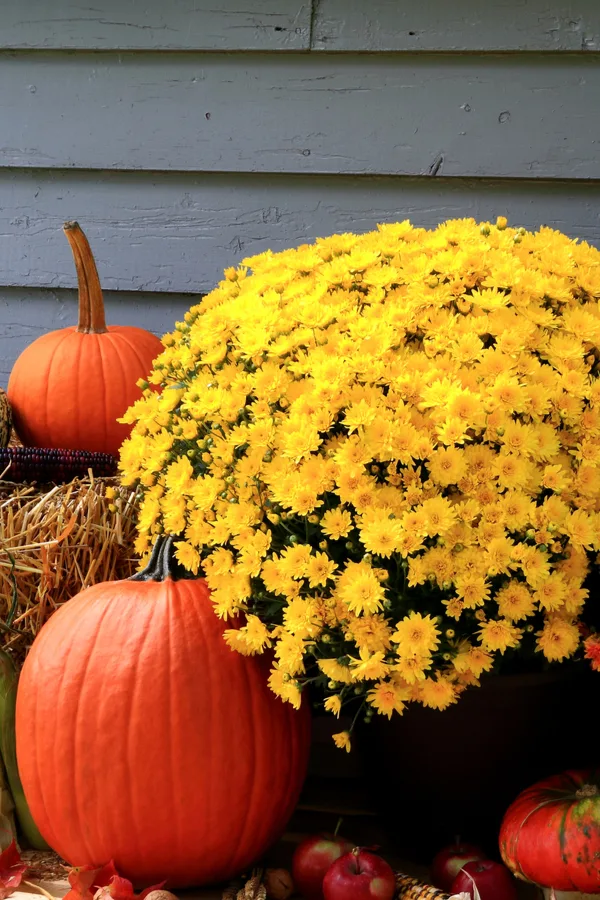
x: 141, y: 737
x: 550, y: 835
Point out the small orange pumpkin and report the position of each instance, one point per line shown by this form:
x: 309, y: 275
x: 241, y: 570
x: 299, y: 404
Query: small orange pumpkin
x: 69, y: 387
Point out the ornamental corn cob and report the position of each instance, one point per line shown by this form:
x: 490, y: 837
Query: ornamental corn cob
x: 408, y: 888
x: 24, y: 464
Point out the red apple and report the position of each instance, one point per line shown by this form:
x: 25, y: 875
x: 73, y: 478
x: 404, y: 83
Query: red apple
x: 312, y: 859
x: 492, y: 880
x: 449, y: 861
x: 359, y: 875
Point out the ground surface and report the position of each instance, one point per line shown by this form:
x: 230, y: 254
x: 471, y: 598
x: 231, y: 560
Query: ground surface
x: 323, y: 802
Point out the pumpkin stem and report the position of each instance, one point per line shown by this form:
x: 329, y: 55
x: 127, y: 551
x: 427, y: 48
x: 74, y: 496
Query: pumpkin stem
x: 83, y: 321
x: 587, y: 790
x: 162, y: 563
x: 91, y: 305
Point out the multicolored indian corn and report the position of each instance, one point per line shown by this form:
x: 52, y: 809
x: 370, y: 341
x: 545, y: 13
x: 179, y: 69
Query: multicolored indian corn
x: 43, y: 465
x: 409, y: 888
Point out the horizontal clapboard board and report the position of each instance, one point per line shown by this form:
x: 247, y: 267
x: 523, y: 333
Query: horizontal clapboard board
x: 340, y: 25
x: 457, y: 25
x: 487, y: 116
x: 177, y: 232
x: 155, y: 25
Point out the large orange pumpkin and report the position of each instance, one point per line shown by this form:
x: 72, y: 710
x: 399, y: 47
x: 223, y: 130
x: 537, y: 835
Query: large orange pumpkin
x: 141, y: 737
x: 69, y: 387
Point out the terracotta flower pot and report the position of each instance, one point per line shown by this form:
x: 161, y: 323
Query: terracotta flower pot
x: 436, y: 775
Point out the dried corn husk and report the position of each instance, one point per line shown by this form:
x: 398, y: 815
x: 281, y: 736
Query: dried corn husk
x: 407, y: 888
x: 5, y: 420
x: 252, y: 889
x: 232, y: 889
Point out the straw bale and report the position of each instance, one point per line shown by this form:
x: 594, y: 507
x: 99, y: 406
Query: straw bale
x: 55, y: 541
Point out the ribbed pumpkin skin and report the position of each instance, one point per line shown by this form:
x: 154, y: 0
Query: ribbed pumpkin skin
x: 67, y: 389
x: 142, y: 737
x: 552, y: 838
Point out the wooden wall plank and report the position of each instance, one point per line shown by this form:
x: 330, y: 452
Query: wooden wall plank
x: 155, y: 25
x: 175, y: 232
x: 25, y: 314
x: 459, y: 25
x: 515, y: 115
x: 346, y: 25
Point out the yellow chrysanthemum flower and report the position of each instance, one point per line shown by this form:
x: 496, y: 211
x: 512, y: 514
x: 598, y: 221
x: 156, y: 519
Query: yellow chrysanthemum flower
x: 558, y: 639
x: 335, y: 670
x: 499, y: 634
x: 382, y: 451
x: 387, y: 698
x: 336, y: 523
x: 437, y: 693
x: 416, y: 634
x: 342, y: 741
x: 333, y: 704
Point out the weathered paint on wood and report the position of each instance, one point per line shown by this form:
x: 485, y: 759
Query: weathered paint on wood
x: 27, y: 314
x: 379, y: 25
x: 155, y: 25
x: 514, y: 115
x: 457, y: 25
x: 177, y: 232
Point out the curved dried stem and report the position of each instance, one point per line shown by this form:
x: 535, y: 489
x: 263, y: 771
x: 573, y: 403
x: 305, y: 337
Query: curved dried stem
x: 91, y: 303
x: 40, y: 890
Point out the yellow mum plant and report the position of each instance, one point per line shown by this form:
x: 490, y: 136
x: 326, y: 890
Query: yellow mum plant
x: 383, y: 451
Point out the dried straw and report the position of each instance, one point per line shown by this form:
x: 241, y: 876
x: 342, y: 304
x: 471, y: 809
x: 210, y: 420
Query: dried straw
x: 55, y: 541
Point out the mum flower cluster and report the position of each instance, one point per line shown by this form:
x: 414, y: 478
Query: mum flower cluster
x: 384, y: 452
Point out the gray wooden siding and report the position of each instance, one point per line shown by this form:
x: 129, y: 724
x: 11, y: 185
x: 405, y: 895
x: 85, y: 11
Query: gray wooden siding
x: 371, y: 25
x: 155, y: 25
x: 510, y: 116
x: 457, y: 25
x: 164, y: 232
x: 187, y: 135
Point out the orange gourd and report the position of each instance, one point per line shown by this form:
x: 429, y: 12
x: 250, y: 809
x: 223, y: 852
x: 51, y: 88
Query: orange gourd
x: 141, y: 737
x: 69, y: 387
